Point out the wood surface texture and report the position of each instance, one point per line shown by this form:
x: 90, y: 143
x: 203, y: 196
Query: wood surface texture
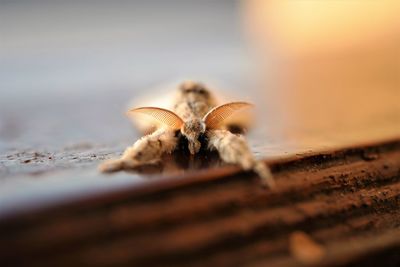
x: 345, y: 202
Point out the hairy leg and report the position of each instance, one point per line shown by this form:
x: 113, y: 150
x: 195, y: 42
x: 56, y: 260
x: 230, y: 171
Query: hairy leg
x: 147, y: 150
x: 234, y: 149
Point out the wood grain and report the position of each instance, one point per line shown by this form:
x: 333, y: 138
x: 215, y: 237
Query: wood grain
x: 347, y: 201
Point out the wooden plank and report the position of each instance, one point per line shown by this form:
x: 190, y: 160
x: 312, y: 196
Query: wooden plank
x: 346, y: 200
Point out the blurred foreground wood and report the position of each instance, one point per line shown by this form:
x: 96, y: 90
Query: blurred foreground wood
x: 343, y: 204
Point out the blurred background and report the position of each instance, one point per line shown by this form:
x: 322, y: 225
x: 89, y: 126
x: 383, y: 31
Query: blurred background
x: 73, y: 66
x: 332, y: 67
x: 68, y: 68
x: 325, y: 73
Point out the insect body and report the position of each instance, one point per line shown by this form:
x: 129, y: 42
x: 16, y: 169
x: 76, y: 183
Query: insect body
x: 196, y: 118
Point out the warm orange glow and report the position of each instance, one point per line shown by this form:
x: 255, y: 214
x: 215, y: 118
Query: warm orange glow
x: 333, y: 67
x: 309, y: 25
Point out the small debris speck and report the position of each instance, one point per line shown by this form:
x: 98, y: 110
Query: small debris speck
x: 305, y: 249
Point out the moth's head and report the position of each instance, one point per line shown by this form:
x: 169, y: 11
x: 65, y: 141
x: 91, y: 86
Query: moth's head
x: 192, y: 129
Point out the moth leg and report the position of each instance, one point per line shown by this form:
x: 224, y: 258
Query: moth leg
x: 234, y: 149
x: 147, y: 150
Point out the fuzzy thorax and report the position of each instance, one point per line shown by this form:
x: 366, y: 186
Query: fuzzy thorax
x: 192, y: 129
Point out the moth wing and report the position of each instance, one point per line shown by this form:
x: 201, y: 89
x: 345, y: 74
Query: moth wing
x: 241, y: 121
x: 161, y: 96
x: 159, y: 117
x: 223, y: 116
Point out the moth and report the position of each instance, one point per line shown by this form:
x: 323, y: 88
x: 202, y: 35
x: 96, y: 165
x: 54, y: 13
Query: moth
x: 197, y: 120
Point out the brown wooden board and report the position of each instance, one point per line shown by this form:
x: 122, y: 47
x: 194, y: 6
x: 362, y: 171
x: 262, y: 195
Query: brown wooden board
x: 346, y: 202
